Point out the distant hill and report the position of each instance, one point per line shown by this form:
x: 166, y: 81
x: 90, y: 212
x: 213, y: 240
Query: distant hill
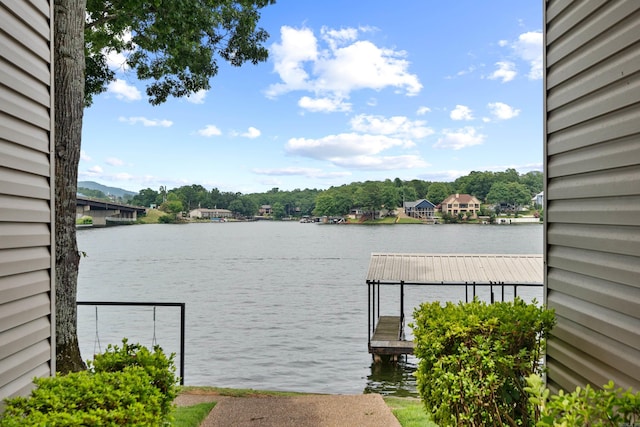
x: 118, y: 192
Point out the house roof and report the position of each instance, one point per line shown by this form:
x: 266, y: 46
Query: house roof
x: 461, y: 198
x: 423, y: 203
x: 442, y: 269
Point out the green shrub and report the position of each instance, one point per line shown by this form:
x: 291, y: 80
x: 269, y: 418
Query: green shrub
x: 156, y: 364
x: 85, y: 398
x: 584, y: 406
x: 127, y: 385
x: 84, y: 220
x: 474, y: 358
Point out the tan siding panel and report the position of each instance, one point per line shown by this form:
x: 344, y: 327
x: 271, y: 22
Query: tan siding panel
x: 606, y: 210
x: 21, y: 286
x: 617, y: 326
x: 595, y: 372
x: 13, y: 182
x: 31, y: 15
x: 623, y: 357
x: 612, y: 126
x: 624, y: 269
x: 619, y: 181
x: 16, y: 365
x: 23, y: 260
x: 560, y: 376
x: 624, y: 240
x: 20, y: 209
x: 559, y: 25
x: 24, y: 336
x: 622, y: 93
x: 23, y: 83
x: 23, y: 235
x: 22, y: 311
x: 614, y: 296
x: 23, y: 134
x: 31, y: 41
x: 15, y: 54
x: 25, y: 109
x: 555, y: 9
x: 621, y: 66
x: 23, y: 159
x: 23, y: 385
x: 593, y: 41
x: 612, y: 154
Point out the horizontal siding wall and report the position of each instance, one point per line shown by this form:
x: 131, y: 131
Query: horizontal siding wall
x: 26, y: 195
x: 592, y: 169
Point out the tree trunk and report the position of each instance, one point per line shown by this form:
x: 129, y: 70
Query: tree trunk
x: 69, y: 64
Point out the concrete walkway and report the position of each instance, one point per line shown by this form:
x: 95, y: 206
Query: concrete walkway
x: 368, y: 410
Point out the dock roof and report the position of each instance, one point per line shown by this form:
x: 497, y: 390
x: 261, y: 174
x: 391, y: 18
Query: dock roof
x: 436, y: 269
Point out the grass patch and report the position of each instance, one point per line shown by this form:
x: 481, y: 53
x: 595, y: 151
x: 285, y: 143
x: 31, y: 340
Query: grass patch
x: 191, y: 416
x: 236, y: 392
x: 409, y: 412
x: 408, y: 221
x: 152, y: 217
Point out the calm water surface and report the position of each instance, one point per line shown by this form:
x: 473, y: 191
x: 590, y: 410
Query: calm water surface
x: 269, y: 305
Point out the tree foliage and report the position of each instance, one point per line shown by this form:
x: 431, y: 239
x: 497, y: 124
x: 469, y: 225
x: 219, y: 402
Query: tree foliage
x: 172, y: 45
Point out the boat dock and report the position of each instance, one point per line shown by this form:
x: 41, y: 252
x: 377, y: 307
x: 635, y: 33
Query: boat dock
x: 496, y: 272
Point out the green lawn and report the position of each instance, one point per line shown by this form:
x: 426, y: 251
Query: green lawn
x: 191, y: 416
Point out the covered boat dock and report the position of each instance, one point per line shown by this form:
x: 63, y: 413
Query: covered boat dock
x: 386, y: 333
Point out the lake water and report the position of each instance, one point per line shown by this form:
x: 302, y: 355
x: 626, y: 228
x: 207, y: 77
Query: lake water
x: 269, y: 305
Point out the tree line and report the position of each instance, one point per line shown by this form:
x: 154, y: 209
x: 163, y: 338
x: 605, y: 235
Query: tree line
x: 507, y: 188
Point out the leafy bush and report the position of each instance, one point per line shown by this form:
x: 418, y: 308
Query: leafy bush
x: 474, y: 358
x: 156, y: 364
x: 86, y: 398
x: 584, y: 406
x: 85, y: 220
x: 127, y: 385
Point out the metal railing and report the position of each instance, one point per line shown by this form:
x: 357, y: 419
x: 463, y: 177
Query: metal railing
x: 152, y: 304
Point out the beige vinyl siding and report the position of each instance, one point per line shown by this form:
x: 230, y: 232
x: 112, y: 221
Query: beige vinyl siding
x: 26, y: 195
x: 592, y: 178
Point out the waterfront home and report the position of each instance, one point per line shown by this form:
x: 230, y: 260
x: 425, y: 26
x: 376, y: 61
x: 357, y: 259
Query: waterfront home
x: 210, y: 213
x: 420, y: 209
x: 460, y: 203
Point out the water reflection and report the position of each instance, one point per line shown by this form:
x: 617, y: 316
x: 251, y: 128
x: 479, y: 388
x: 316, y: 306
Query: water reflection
x: 393, y: 379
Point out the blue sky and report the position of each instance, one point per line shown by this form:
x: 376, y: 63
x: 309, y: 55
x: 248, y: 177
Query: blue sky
x: 352, y: 91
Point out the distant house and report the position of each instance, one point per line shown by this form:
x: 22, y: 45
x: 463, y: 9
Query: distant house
x: 460, y: 204
x: 538, y: 199
x: 210, y: 213
x: 420, y: 209
x: 265, y: 210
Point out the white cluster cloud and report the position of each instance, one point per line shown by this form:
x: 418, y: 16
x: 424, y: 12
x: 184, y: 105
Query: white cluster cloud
x: 124, y: 91
x: 529, y: 48
x: 506, y: 71
x: 197, y: 97
x: 147, y: 122
x: 398, y: 126
x: 114, y: 161
x: 84, y: 156
x: 298, y: 171
x: 362, y: 147
x: 325, y: 105
x: 332, y: 73
x: 502, y: 111
x: 252, y: 133
x: 209, y: 130
x: 458, y: 139
x: 461, y: 112
x: 423, y: 110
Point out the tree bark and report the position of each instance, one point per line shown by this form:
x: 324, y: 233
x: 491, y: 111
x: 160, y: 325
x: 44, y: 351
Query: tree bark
x: 69, y: 65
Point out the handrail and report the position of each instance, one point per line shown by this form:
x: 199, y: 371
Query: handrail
x: 152, y: 304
